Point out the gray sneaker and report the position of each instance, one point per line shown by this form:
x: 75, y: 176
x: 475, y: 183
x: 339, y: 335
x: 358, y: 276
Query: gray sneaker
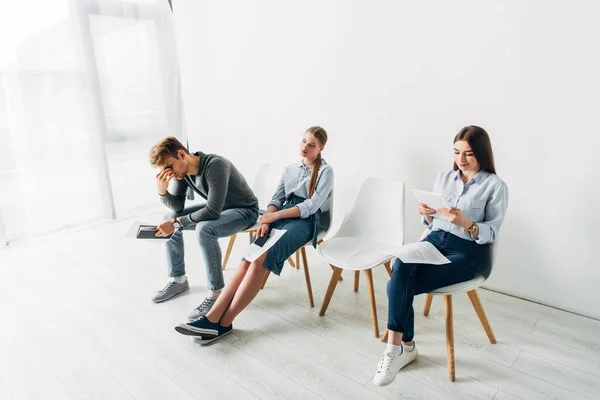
x: 172, y: 289
x: 202, y: 309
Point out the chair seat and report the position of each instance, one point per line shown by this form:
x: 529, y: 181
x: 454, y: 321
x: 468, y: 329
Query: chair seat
x: 461, y: 286
x: 354, y: 253
x: 252, y: 228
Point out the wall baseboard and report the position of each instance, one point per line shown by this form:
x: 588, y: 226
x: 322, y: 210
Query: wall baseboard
x: 596, y: 318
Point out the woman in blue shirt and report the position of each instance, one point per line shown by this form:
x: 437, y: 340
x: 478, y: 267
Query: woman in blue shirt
x: 463, y: 233
x: 301, y: 207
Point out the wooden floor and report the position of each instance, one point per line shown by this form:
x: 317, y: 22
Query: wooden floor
x: 77, y: 323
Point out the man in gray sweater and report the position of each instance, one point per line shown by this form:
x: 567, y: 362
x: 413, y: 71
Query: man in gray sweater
x: 230, y: 207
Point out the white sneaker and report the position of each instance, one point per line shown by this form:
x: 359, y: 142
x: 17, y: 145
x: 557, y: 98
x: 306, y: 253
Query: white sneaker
x: 391, y: 364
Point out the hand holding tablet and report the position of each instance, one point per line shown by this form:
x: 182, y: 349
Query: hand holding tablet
x: 432, y: 200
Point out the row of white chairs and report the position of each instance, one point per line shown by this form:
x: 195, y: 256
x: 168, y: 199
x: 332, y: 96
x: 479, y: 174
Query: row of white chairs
x: 373, y: 226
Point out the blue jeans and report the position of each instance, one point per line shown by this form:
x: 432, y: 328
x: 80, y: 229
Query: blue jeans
x: 409, y: 280
x: 207, y: 233
x: 299, y: 232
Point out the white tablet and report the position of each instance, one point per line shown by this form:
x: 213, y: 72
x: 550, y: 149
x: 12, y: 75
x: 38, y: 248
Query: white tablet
x: 433, y: 200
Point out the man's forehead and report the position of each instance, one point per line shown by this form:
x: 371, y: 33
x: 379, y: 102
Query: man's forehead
x: 168, y: 162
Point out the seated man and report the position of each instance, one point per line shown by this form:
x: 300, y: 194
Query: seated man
x: 230, y: 207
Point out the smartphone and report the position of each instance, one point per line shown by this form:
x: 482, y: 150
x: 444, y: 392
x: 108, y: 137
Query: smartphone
x: 260, y: 241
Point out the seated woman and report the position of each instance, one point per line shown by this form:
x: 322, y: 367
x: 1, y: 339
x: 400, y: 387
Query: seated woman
x: 462, y: 233
x: 305, y: 190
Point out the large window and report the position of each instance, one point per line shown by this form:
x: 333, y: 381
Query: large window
x: 86, y: 87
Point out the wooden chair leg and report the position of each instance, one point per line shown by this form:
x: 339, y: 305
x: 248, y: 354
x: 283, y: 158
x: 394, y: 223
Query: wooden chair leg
x: 388, y: 268
x: 311, y: 300
x: 474, y: 297
x: 369, y: 274
x: 450, y: 337
x: 333, y: 268
x: 228, y: 252
x: 251, y: 234
x: 335, y: 277
x: 291, y: 262
x: 267, y: 273
x: 297, y: 259
x: 356, y: 280
x: 427, y: 308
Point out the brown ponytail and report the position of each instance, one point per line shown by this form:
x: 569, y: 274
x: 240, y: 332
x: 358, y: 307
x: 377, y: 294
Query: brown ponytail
x: 321, y: 135
x: 312, y: 186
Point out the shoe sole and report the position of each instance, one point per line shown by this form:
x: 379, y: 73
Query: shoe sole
x: 191, y: 331
x: 170, y: 297
x: 204, y: 342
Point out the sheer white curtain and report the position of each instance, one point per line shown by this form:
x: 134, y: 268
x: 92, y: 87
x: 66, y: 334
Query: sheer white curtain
x: 86, y: 87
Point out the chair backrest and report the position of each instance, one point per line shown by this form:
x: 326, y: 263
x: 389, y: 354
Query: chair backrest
x: 486, y: 270
x: 265, y: 184
x: 326, y: 220
x: 377, y: 213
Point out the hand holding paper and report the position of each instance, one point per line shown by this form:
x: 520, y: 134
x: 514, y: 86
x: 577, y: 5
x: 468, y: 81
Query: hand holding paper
x: 254, y: 251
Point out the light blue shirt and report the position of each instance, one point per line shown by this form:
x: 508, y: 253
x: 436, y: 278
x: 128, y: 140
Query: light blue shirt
x: 295, y: 180
x: 483, y: 199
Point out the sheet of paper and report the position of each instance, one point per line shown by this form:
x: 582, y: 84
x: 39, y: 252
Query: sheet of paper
x: 254, y: 251
x: 420, y: 253
x: 433, y: 200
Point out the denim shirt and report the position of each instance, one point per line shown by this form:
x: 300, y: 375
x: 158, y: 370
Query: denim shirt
x: 294, y: 182
x: 483, y: 199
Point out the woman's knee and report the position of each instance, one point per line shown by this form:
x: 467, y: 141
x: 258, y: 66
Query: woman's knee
x: 257, y: 266
x: 400, y: 275
x: 244, y: 265
x: 400, y: 270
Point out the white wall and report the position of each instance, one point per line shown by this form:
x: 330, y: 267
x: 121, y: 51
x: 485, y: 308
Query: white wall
x: 393, y: 82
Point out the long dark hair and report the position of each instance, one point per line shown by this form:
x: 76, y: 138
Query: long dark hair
x: 321, y: 136
x: 480, y: 143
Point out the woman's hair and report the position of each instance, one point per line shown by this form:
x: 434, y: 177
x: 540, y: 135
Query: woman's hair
x: 321, y: 136
x: 479, y: 140
x: 168, y: 147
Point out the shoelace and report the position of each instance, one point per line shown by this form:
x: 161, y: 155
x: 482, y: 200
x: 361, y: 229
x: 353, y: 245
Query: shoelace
x: 384, y: 365
x: 166, y: 288
x: 205, y: 304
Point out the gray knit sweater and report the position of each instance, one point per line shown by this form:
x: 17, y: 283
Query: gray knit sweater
x: 219, y: 182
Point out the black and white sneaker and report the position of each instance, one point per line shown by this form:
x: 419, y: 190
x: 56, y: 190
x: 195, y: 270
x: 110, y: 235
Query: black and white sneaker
x: 203, y: 330
x: 200, y: 327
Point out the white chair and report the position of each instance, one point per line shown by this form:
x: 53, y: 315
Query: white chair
x: 264, y: 186
x: 374, y: 225
x: 470, y: 287
x: 328, y: 218
x: 446, y: 292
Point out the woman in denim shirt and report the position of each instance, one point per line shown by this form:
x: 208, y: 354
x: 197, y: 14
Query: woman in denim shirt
x: 300, y: 206
x: 463, y: 233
